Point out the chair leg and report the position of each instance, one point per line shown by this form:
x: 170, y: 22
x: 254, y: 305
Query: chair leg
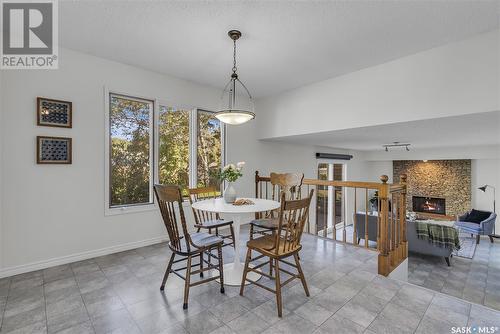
x: 221, y: 269
x: 270, y: 267
x: 478, y: 237
x: 251, y: 231
x: 245, y: 271
x: 187, y: 283
x: 301, y: 273
x: 491, y: 238
x: 278, y: 288
x: 167, y: 272
x: 232, y: 235
x: 201, y: 264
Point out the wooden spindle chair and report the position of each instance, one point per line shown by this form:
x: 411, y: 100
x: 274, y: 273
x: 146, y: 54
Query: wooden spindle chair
x: 210, y: 220
x: 283, y: 244
x: 288, y: 183
x: 186, y: 245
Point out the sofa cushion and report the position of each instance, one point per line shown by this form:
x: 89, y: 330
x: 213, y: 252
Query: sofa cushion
x: 469, y: 227
x: 477, y: 216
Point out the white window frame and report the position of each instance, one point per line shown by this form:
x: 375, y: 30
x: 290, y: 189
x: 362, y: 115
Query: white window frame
x: 194, y: 148
x: 129, y: 208
x: 154, y: 149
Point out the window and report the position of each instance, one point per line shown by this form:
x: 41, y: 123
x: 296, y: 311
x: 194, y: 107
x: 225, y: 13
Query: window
x: 155, y: 142
x: 209, y: 151
x: 173, y: 155
x: 130, y: 150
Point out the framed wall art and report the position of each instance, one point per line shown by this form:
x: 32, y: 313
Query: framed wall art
x: 55, y: 113
x: 53, y: 150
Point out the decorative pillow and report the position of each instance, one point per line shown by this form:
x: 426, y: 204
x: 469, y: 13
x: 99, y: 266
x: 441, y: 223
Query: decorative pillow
x: 477, y: 216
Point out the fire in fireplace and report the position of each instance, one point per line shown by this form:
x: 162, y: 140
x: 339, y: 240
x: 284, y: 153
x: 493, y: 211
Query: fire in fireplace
x: 429, y: 205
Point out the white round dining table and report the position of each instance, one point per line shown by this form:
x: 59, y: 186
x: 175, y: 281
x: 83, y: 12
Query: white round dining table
x: 233, y: 272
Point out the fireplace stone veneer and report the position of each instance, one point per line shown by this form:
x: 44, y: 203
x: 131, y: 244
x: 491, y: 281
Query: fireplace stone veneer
x: 446, y: 179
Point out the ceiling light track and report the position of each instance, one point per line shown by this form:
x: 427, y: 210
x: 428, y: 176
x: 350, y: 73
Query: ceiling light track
x: 396, y: 144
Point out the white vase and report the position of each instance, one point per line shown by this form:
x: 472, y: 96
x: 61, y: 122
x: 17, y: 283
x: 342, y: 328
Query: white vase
x: 229, y: 193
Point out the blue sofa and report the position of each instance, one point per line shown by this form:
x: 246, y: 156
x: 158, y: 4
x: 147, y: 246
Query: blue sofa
x: 485, y: 227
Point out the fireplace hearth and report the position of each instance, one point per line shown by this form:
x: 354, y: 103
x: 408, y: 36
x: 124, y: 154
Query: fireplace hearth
x: 429, y: 205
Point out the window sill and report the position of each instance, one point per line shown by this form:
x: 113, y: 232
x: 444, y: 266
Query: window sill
x: 129, y: 209
x: 137, y: 208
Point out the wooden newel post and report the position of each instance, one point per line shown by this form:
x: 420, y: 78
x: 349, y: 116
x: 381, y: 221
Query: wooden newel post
x: 384, y: 265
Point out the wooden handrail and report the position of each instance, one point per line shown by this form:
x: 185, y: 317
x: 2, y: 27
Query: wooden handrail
x: 391, y: 242
x: 315, y: 182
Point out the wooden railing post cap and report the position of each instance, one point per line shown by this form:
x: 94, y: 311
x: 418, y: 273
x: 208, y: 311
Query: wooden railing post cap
x: 384, y: 178
x: 403, y: 178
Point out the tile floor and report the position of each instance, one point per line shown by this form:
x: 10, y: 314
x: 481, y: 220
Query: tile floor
x: 476, y: 280
x: 119, y: 293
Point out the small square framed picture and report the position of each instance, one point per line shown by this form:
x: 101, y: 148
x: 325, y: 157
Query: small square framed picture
x: 53, y: 150
x: 56, y: 113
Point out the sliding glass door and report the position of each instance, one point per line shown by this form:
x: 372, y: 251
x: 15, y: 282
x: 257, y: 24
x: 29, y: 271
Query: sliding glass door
x: 330, y: 200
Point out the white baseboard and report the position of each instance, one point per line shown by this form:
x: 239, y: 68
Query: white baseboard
x: 16, y: 270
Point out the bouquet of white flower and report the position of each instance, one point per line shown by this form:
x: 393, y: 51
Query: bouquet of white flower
x: 231, y: 172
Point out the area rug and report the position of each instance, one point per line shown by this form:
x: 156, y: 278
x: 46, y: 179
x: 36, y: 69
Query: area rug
x: 467, y: 246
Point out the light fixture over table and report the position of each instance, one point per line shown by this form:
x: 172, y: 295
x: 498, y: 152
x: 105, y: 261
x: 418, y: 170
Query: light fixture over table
x: 236, y: 105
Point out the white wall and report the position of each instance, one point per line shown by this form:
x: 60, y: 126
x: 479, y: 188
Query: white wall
x: 455, y: 79
x: 268, y: 156
x: 54, y: 211
x: 485, y: 171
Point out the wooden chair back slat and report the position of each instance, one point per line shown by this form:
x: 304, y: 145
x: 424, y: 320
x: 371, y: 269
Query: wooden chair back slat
x: 292, y: 218
x: 288, y: 183
x: 200, y: 194
x: 169, y: 198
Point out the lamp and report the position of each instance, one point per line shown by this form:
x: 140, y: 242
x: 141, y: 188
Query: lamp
x: 236, y: 101
x: 483, y: 189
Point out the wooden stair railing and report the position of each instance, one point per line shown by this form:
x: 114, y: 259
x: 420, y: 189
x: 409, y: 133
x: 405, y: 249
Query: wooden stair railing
x: 390, y: 241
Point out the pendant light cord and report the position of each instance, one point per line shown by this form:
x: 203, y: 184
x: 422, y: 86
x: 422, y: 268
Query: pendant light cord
x: 234, y: 56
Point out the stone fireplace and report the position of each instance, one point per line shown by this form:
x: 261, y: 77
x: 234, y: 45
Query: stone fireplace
x: 436, y: 185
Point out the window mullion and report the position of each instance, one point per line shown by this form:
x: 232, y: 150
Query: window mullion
x: 151, y: 151
x: 156, y: 143
x: 193, y: 148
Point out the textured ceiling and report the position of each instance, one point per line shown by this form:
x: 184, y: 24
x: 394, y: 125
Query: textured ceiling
x: 457, y: 131
x: 284, y: 45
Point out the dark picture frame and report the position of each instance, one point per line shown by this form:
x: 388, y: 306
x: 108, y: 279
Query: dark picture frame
x: 54, y: 113
x: 54, y: 150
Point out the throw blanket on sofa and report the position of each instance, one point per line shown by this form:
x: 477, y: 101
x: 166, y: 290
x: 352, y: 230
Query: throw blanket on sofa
x: 439, y: 233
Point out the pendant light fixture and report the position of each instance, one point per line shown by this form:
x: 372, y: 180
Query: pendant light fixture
x: 236, y: 106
